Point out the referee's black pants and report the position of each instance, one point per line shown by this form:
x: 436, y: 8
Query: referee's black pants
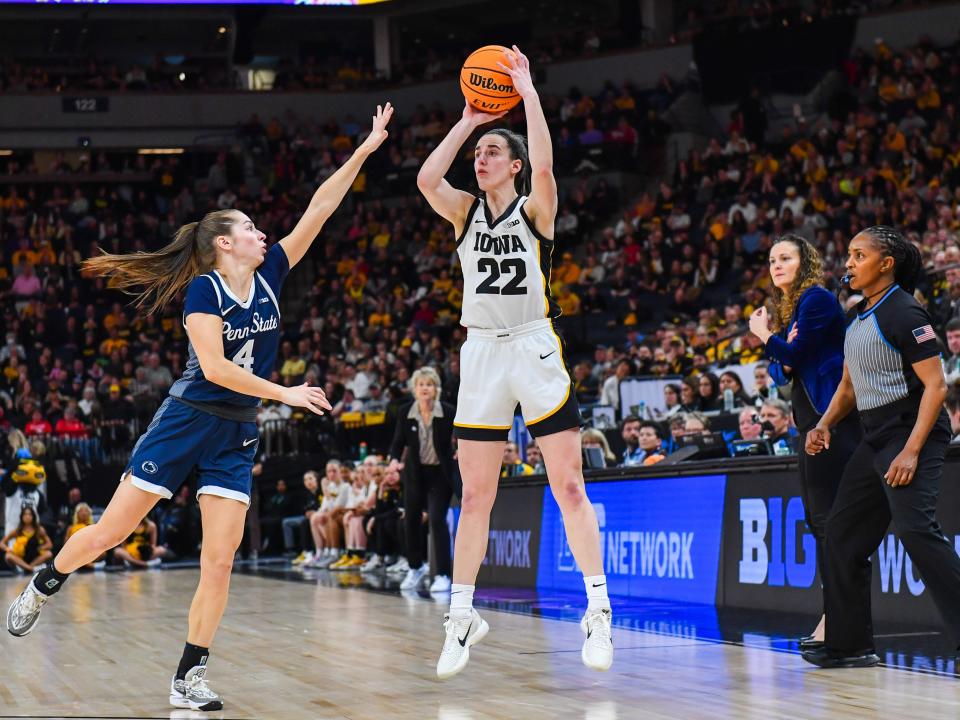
x: 430, y: 488
x: 820, y: 479
x: 862, y: 512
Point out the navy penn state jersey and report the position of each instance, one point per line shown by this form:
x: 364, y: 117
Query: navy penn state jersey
x: 251, y: 328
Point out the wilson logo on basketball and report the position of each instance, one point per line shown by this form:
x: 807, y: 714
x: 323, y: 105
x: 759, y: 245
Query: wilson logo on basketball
x: 487, y: 83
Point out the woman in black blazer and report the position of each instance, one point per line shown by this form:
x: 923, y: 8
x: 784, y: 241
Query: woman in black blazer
x: 425, y: 430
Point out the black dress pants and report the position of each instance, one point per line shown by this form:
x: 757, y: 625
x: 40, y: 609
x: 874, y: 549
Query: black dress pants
x: 862, y: 512
x: 820, y: 479
x: 430, y: 489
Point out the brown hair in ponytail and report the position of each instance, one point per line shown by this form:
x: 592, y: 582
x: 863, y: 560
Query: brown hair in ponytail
x: 155, y: 278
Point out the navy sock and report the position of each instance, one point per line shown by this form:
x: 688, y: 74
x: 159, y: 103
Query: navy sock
x: 193, y: 655
x: 49, y: 579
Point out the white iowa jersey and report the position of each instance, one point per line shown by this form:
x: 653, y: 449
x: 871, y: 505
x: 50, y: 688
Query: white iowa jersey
x: 506, y: 269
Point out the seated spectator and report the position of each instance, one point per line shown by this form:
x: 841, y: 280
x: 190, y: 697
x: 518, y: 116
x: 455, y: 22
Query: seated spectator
x: 953, y: 410
x: 764, y: 386
x: 280, y: 505
x: 178, y: 524
x: 298, y: 524
x: 383, y: 523
x: 534, y: 458
x: 709, y: 388
x: 512, y: 465
x: 671, y: 398
x: 27, y: 546
x: 141, y: 549
x: 593, y: 438
x: 37, y: 425
x: 750, y: 427
x: 70, y: 425
x: 630, y: 432
x: 643, y: 440
x: 689, y: 394
x: 335, y: 490
x: 610, y: 393
x: 777, y: 425
x: 347, y: 526
x: 951, y: 364
x: 695, y: 423
x: 729, y: 380
x: 83, y: 517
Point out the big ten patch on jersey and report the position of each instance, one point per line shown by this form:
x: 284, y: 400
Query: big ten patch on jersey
x: 506, y: 266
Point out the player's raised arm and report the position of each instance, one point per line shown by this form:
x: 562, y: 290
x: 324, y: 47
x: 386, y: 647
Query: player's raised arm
x: 450, y: 203
x: 330, y: 194
x: 542, y: 205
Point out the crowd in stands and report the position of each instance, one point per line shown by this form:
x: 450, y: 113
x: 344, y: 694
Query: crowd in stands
x: 381, y: 296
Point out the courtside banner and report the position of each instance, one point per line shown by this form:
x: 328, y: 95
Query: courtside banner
x: 514, y: 539
x: 660, y: 538
x: 770, y: 561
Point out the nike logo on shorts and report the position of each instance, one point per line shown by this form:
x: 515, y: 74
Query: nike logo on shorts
x: 544, y: 357
x: 249, y: 442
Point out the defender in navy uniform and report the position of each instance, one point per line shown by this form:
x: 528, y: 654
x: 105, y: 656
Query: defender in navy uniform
x: 893, y: 377
x: 232, y: 317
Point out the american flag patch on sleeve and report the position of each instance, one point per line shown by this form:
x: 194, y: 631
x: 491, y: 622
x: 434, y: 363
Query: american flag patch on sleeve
x: 922, y: 334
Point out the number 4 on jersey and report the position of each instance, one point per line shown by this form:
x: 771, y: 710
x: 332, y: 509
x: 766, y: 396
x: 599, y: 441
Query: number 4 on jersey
x: 244, y: 358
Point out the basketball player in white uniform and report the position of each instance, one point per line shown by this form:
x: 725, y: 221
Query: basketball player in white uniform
x: 512, y: 356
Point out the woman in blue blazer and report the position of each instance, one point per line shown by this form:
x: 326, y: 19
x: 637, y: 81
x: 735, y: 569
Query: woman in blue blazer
x: 805, y: 347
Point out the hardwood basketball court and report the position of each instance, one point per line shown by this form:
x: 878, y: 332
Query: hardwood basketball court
x: 105, y: 648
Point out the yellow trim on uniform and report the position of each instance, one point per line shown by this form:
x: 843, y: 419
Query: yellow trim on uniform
x: 569, y: 382
x: 546, y: 283
x: 483, y: 427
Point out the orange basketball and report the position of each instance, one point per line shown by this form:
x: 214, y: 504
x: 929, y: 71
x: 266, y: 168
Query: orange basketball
x: 484, y: 84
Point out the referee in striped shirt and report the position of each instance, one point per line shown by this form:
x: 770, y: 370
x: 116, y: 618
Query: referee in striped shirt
x: 893, y: 376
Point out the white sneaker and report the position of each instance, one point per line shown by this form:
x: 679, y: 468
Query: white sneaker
x: 399, y: 567
x: 193, y: 692
x: 99, y: 564
x: 372, y: 565
x: 414, y: 577
x: 440, y: 584
x: 597, y: 652
x: 153, y: 563
x: 462, y: 633
x: 25, y: 610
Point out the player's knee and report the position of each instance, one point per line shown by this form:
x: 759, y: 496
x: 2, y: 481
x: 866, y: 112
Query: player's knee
x: 570, y: 493
x: 217, y: 563
x: 477, y: 500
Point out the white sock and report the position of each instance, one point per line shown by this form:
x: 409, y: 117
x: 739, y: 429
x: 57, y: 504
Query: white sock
x: 461, y: 599
x: 596, y: 592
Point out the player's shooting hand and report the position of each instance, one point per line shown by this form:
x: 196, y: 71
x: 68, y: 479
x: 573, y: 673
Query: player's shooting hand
x: 305, y: 396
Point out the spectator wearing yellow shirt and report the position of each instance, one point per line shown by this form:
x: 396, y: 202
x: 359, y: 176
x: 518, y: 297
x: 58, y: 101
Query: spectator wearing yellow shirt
x: 568, y: 300
x: 24, y: 253
x: 113, y: 317
x: 355, y: 284
x: 113, y: 342
x: 443, y: 283
x: 381, y: 239
x: 894, y: 140
x: 929, y: 96
x: 293, y: 367
x: 567, y: 272
x: 512, y: 465
x: 380, y: 317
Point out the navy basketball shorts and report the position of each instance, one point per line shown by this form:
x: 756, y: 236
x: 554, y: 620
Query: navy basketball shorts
x: 181, y: 438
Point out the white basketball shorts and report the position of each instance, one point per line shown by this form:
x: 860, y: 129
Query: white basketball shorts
x: 501, y: 369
